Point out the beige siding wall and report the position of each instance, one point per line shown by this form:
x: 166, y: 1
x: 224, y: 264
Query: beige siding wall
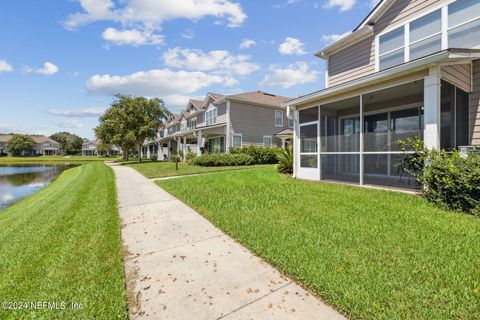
x: 254, y: 122
x: 358, y: 60
x: 474, y: 123
x: 459, y: 75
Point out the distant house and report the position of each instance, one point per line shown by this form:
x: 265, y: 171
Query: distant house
x: 90, y: 149
x: 218, y: 122
x: 43, y: 145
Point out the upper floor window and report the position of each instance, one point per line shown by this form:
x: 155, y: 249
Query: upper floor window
x: 391, y: 49
x: 290, y: 121
x: 192, y: 123
x: 426, y: 35
x: 211, y: 116
x: 464, y: 24
x: 183, y: 126
x: 459, y: 27
x: 278, y: 118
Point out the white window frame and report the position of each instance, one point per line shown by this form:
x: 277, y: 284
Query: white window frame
x: 211, y: 116
x: 290, y: 125
x: 281, y: 118
x: 241, y: 140
x: 406, y: 25
x: 271, y: 141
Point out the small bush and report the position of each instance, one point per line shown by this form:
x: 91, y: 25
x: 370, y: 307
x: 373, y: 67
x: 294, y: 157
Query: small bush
x: 285, y: 161
x: 222, y: 159
x: 190, y: 155
x: 449, y: 180
x: 260, y: 155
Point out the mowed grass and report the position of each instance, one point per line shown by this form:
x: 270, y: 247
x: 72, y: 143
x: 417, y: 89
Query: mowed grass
x: 13, y: 160
x: 62, y: 244
x: 160, y: 169
x: 371, y: 254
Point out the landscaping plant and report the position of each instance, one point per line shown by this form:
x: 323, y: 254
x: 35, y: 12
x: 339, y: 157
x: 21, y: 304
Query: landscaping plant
x: 449, y: 180
x: 260, y: 155
x: 285, y: 160
x: 223, y: 159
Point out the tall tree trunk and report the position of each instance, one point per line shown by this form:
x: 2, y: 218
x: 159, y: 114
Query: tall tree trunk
x: 139, y: 149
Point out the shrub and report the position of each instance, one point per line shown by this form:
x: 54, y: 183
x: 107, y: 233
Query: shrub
x: 285, y: 160
x: 222, y: 159
x: 260, y: 155
x: 449, y: 180
x: 190, y: 155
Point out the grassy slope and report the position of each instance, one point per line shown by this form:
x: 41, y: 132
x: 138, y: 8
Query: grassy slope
x: 372, y: 254
x: 8, y: 160
x: 63, y: 244
x: 158, y: 169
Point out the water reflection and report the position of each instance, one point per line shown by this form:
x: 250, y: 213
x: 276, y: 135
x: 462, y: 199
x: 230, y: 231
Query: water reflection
x: 20, y: 180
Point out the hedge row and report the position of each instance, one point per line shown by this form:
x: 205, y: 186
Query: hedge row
x: 260, y: 155
x: 222, y: 159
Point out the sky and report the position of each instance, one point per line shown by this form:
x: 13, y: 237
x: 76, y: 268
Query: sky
x: 62, y: 61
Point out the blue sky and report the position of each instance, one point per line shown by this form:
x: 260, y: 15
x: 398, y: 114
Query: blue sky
x: 61, y: 61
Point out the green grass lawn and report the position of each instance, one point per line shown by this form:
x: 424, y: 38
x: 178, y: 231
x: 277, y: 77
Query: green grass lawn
x: 62, y: 244
x: 9, y: 160
x: 371, y: 254
x: 159, y: 169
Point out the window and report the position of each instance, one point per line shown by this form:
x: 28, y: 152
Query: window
x: 192, y: 123
x: 464, y: 24
x: 267, y: 141
x: 460, y: 28
x: 237, y: 140
x: 426, y: 35
x: 290, y: 121
x: 211, y: 116
x: 391, y: 48
x: 278, y: 118
x: 183, y: 126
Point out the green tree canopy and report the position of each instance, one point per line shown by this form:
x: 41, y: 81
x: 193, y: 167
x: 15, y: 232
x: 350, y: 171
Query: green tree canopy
x: 20, y: 144
x: 130, y: 121
x: 70, y: 143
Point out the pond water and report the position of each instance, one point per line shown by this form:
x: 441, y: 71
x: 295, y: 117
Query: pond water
x: 20, y: 180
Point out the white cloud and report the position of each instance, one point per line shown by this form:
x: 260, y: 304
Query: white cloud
x: 343, y: 5
x: 294, y: 74
x: 131, y: 37
x: 330, y: 38
x: 67, y: 123
x: 48, y: 69
x: 150, y: 15
x: 5, y: 66
x: 217, y: 61
x: 6, y: 127
x: 247, y: 43
x: 291, y: 46
x: 163, y: 83
x: 373, y: 3
x: 77, y: 113
x: 188, y: 34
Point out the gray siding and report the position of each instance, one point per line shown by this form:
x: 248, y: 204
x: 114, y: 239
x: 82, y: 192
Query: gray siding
x: 474, y: 119
x: 459, y: 75
x: 358, y: 60
x: 353, y: 62
x: 254, y: 122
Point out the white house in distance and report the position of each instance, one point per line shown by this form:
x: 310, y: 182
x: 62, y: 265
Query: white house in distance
x: 410, y: 69
x: 43, y: 145
x: 218, y: 122
x: 90, y: 149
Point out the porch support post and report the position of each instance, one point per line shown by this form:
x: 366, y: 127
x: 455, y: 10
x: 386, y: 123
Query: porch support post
x: 296, y: 144
x: 229, y: 128
x: 362, y: 162
x: 431, y: 96
x: 159, y: 151
x: 199, y: 142
x: 148, y: 151
x: 283, y: 142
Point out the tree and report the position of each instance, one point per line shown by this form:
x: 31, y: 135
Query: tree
x: 20, y: 144
x: 130, y: 121
x: 70, y: 143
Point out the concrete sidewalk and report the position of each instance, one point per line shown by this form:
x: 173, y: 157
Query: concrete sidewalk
x: 179, y: 266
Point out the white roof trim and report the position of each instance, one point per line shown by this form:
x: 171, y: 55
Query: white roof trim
x: 347, y: 40
x: 403, y: 68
